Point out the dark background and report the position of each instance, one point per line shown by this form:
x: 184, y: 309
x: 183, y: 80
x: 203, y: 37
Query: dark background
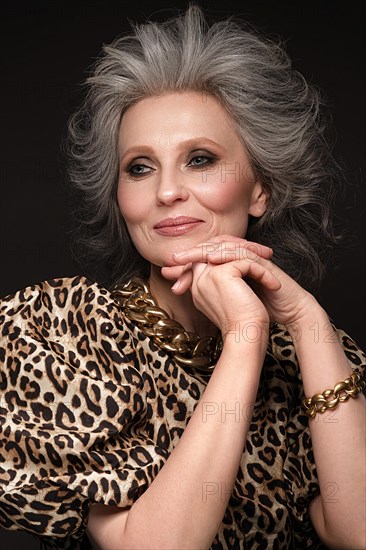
x: 47, y: 49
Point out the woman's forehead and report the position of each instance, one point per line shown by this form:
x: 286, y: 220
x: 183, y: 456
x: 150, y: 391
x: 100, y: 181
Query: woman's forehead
x: 175, y: 117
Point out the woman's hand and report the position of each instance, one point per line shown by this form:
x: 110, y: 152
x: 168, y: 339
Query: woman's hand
x: 284, y: 300
x: 218, y: 288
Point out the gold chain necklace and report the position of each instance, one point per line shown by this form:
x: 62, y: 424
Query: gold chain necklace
x: 187, y: 348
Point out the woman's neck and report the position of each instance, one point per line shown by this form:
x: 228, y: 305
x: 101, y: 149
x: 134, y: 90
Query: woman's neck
x: 179, y: 308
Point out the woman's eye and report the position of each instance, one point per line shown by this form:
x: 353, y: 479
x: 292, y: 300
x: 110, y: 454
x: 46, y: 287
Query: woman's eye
x: 201, y: 160
x: 138, y: 169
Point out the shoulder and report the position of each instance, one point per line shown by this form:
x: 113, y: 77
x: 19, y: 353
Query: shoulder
x: 72, y: 311
x: 63, y: 291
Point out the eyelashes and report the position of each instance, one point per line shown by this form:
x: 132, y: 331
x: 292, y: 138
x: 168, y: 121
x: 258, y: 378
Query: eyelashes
x: 138, y: 170
x: 208, y: 159
x: 197, y: 161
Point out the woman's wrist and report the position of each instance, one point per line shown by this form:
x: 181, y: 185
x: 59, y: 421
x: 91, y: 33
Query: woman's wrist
x: 247, y: 339
x: 241, y: 331
x: 306, y: 323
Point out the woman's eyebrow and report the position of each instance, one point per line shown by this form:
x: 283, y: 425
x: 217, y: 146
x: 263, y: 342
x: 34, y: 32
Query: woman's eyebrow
x: 139, y: 150
x: 199, y: 142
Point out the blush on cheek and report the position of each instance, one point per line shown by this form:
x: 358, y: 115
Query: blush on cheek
x: 226, y: 193
x: 130, y: 206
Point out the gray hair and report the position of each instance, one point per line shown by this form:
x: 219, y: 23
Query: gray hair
x: 276, y: 113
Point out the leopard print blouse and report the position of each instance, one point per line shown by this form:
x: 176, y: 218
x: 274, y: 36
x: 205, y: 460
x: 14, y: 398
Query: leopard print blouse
x: 90, y: 410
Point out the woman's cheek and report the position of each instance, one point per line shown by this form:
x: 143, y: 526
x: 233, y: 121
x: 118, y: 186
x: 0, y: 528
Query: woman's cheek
x: 225, y: 193
x: 132, y: 208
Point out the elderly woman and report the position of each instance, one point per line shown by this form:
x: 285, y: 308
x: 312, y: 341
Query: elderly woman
x: 201, y: 398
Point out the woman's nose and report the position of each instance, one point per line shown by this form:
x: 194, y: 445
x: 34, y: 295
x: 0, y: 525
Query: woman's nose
x: 171, y: 188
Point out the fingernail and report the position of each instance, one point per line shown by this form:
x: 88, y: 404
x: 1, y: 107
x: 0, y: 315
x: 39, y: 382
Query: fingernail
x: 178, y: 254
x: 176, y: 285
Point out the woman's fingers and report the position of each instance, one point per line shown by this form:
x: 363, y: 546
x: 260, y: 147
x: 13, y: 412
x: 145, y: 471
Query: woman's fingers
x: 249, y: 259
x: 241, y: 269
x: 230, y: 238
x: 259, y: 273
x: 183, y: 283
x: 172, y: 272
x: 181, y: 274
x: 224, y: 251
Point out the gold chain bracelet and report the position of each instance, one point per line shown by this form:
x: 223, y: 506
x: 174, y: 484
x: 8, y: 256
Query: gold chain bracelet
x: 329, y: 399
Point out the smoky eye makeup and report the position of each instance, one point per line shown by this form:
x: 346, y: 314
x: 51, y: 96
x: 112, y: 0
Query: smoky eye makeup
x: 201, y: 157
x: 137, y: 166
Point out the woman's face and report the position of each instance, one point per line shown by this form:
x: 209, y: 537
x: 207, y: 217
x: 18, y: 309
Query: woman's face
x: 184, y: 175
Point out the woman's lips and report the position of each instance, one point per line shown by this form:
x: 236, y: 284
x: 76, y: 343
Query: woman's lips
x: 177, y: 226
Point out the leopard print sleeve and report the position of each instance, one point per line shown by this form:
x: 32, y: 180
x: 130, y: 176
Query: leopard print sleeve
x: 299, y: 468
x: 75, y: 409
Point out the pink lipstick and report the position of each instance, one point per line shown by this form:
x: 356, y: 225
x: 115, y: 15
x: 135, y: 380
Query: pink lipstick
x: 177, y: 226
